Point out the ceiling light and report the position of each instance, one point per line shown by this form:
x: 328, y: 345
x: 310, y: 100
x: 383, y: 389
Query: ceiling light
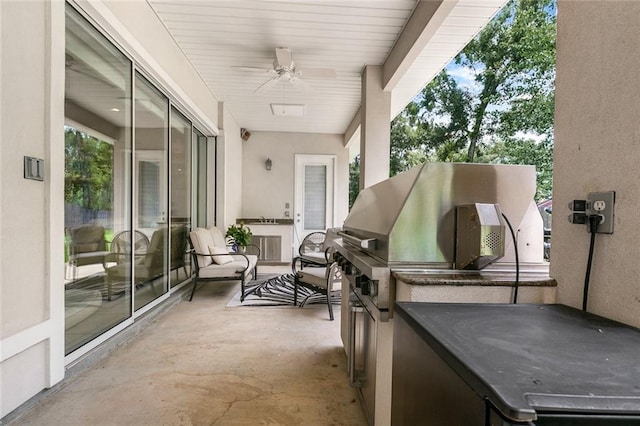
x: 287, y: 110
x: 115, y: 110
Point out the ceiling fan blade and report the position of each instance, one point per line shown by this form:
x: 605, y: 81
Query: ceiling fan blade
x: 266, y: 85
x: 317, y: 72
x: 255, y: 69
x: 283, y: 56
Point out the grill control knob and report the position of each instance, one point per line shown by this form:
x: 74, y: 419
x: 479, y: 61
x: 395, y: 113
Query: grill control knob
x: 348, y: 269
x: 365, y: 286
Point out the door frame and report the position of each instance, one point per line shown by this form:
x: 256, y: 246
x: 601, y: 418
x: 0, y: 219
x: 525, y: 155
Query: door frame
x: 302, y: 160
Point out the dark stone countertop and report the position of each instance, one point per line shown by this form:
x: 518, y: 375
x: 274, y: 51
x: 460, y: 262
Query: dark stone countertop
x: 530, y: 358
x: 259, y: 221
x: 474, y: 278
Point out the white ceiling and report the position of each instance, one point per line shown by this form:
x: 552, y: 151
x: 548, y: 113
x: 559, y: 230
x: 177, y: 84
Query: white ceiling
x: 343, y: 35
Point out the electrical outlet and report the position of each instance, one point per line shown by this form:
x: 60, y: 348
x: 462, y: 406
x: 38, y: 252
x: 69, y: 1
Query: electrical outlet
x: 601, y: 203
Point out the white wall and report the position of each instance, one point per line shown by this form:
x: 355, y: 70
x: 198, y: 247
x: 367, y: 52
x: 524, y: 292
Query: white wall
x: 229, y: 170
x: 31, y: 225
x: 597, y: 148
x: 264, y: 193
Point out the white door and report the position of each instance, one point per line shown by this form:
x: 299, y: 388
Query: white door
x: 314, y: 194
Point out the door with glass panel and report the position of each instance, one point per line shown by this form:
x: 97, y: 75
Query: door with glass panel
x: 97, y: 191
x: 150, y: 235
x: 314, y: 194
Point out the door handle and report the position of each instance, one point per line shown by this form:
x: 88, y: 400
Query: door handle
x: 354, y: 311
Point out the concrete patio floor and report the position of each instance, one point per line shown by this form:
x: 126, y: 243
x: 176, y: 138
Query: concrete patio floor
x: 201, y: 363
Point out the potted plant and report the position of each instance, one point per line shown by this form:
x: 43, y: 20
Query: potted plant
x: 238, y: 236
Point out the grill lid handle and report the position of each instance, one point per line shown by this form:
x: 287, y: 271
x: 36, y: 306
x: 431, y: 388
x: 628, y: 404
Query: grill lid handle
x: 367, y: 243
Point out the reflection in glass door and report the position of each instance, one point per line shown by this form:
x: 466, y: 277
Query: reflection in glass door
x: 150, y: 265
x: 180, y: 217
x: 200, y: 179
x: 97, y: 182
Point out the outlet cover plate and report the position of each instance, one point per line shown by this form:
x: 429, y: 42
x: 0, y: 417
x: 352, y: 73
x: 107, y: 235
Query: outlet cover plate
x: 609, y: 198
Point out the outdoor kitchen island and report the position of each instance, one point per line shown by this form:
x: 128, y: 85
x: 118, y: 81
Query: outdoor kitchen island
x: 505, y: 364
x: 368, y: 337
x: 435, y: 233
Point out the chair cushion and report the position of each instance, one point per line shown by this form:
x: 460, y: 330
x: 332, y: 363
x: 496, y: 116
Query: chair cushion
x: 231, y: 270
x: 217, y: 236
x: 202, y: 239
x: 315, y: 276
x: 315, y: 256
x: 222, y: 257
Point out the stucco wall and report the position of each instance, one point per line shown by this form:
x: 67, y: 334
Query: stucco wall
x: 597, y: 141
x: 31, y: 232
x: 264, y: 193
x: 229, y: 170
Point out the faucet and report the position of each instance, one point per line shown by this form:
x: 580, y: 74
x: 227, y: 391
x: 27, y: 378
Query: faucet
x: 262, y: 219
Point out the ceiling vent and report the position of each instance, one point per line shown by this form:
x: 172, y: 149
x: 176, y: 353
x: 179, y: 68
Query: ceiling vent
x: 288, y: 110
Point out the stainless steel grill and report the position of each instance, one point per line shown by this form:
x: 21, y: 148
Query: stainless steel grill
x: 410, y: 222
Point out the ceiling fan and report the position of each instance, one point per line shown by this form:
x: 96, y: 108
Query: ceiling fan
x: 284, y: 69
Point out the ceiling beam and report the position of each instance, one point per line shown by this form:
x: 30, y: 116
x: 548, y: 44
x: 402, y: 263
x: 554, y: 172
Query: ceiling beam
x: 425, y: 20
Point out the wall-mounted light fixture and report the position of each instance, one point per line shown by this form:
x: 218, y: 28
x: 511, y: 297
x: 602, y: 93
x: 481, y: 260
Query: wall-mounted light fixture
x: 268, y: 163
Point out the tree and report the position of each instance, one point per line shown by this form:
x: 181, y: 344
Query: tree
x: 507, y: 104
x: 88, y: 171
x: 354, y: 180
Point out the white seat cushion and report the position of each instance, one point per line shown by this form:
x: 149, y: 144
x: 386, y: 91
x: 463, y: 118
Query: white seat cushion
x: 217, y: 236
x: 315, y: 256
x: 314, y: 276
x: 229, y: 269
x: 202, y: 239
x: 221, y: 257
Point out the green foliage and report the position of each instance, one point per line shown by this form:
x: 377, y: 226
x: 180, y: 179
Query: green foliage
x: 515, y: 151
x: 239, y: 235
x: 497, y: 116
x: 354, y: 180
x: 88, y: 171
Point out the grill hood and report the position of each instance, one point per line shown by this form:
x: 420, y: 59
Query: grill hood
x: 412, y: 216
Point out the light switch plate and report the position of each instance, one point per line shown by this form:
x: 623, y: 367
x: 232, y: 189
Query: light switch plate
x: 33, y: 168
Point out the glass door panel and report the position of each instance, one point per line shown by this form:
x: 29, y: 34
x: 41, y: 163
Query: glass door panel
x: 150, y: 264
x: 201, y: 179
x: 97, y: 187
x: 180, y: 217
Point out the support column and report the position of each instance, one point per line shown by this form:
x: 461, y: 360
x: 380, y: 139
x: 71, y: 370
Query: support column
x: 375, y: 128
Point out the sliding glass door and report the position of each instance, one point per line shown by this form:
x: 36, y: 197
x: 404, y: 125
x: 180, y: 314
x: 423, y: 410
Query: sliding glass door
x: 180, y: 217
x: 150, y: 265
x: 97, y: 182
x: 200, y: 178
x: 130, y: 157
